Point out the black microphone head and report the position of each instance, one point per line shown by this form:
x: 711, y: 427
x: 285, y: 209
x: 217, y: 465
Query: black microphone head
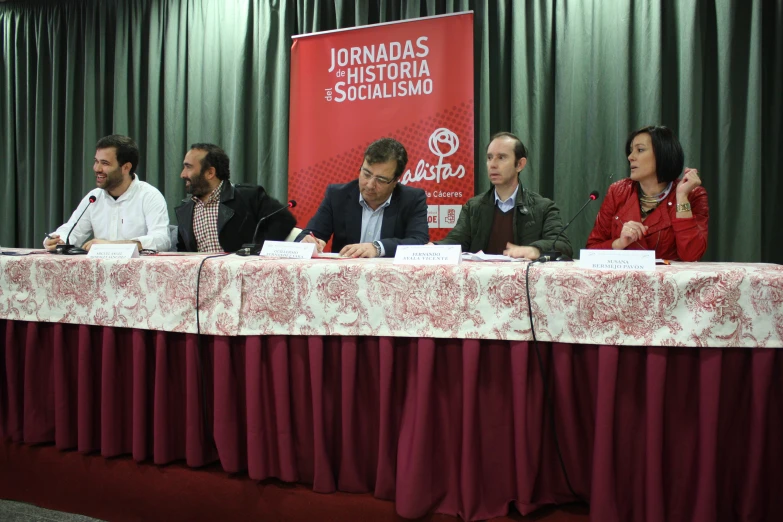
x: 92, y: 199
x: 594, y: 195
x: 291, y: 204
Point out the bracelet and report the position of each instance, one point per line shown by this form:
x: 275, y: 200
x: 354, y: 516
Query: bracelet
x: 683, y: 207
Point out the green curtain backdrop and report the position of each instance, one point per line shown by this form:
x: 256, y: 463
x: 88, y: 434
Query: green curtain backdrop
x: 570, y: 77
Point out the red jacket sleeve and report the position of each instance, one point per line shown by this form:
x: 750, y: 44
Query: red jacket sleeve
x: 601, y: 235
x: 691, y: 233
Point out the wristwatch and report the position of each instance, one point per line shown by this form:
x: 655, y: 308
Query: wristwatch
x: 683, y: 207
x: 377, y: 245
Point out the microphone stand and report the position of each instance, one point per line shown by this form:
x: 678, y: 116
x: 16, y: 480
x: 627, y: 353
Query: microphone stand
x: 254, y: 248
x: 68, y: 249
x: 554, y: 254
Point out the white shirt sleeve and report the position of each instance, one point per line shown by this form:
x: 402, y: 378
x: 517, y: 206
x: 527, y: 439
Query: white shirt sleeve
x: 156, y: 216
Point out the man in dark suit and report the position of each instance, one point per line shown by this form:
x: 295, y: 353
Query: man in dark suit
x: 370, y: 216
x: 219, y: 216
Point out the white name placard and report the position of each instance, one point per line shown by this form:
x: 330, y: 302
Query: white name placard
x: 428, y: 255
x: 617, y: 259
x: 114, y: 251
x: 288, y: 249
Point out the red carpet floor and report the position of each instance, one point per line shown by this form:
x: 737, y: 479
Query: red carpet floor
x: 122, y: 490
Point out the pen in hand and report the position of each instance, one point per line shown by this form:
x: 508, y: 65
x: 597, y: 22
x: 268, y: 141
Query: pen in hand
x: 52, y: 240
x: 317, y: 242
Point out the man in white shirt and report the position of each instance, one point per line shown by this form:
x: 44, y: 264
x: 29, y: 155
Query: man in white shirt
x: 125, y: 209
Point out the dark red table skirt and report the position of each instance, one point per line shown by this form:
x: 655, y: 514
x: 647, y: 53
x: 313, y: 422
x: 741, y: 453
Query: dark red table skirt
x: 449, y: 426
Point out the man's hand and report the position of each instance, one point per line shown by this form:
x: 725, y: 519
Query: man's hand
x: 319, y: 244
x: 525, y: 252
x: 92, y: 242
x: 359, y: 250
x: 52, y: 240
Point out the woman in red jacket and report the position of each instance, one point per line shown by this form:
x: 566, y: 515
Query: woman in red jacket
x: 652, y: 209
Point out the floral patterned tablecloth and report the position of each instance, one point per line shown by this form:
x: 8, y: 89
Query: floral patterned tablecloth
x: 685, y: 304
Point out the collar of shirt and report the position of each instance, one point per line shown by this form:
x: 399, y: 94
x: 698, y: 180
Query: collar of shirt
x: 128, y: 194
x: 663, y: 195
x: 213, y: 198
x: 508, y: 204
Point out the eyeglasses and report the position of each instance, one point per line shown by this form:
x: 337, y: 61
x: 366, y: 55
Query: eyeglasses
x: 368, y: 177
x: 148, y: 252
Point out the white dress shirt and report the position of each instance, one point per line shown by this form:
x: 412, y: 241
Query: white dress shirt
x: 140, y: 214
x: 372, y: 221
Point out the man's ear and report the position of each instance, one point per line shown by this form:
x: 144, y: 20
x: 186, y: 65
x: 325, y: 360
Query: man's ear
x: 521, y: 164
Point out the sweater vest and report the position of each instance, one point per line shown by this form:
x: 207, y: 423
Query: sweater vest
x: 502, y: 231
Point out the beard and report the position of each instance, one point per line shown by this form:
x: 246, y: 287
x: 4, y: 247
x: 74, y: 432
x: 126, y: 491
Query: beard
x: 113, y: 180
x: 197, y: 186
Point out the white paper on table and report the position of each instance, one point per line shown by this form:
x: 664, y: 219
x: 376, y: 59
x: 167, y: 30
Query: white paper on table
x: 481, y: 256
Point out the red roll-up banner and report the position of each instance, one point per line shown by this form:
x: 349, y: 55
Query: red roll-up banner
x: 410, y: 80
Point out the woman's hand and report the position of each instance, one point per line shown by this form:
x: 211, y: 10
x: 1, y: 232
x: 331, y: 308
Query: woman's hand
x: 690, y: 180
x: 632, y: 232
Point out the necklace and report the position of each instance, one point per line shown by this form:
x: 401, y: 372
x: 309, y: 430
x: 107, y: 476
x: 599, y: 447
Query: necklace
x: 651, y: 202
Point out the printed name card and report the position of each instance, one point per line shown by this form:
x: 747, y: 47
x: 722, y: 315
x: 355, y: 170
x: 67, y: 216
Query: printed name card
x: 617, y: 259
x: 114, y: 251
x: 428, y: 255
x: 288, y: 249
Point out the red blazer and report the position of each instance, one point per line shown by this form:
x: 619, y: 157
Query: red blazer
x: 683, y: 239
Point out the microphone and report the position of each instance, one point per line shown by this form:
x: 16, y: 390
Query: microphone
x: 68, y: 249
x: 555, y: 255
x: 252, y: 249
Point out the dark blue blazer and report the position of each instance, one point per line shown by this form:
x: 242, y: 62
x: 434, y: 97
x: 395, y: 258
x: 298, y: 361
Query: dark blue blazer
x: 340, y: 215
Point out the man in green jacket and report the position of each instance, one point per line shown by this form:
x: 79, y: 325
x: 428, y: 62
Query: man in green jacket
x: 508, y: 219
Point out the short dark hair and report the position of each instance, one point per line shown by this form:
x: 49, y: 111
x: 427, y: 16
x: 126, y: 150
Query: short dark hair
x: 124, y: 147
x: 216, y: 157
x: 669, y: 157
x: 387, y: 149
x: 520, y: 151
